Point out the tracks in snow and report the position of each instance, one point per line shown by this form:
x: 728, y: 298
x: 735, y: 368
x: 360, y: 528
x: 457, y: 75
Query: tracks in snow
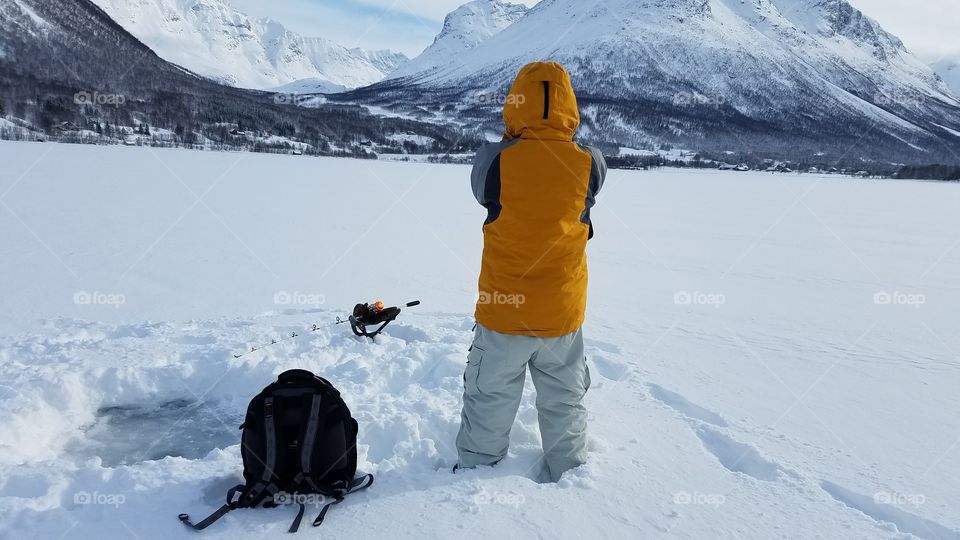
x: 887, y: 513
x: 713, y: 432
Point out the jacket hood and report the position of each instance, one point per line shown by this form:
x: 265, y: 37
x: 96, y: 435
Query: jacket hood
x: 541, y: 104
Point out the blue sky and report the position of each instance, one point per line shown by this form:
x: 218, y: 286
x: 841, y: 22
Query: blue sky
x: 928, y: 27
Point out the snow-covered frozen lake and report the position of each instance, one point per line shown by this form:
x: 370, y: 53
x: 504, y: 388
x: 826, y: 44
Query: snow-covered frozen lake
x: 773, y: 356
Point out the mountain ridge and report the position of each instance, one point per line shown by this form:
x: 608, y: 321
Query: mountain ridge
x: 212, y: 38
x: 464, y: 28
x: 762, y: 76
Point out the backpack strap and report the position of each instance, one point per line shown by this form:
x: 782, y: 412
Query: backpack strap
x: 309, y: 438
x: 270, y: 434
x: 323, y: 511
x: 255, y: 494
x: 295, y: 526
x: 360, y: 483
x: 219, y: 513
x: 355, y: 485
x: 317, y: 423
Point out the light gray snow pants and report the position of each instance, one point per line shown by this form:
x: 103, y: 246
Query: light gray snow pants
x: 493, y: 385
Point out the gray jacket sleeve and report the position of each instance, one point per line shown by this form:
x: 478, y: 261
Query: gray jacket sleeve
x: 598, y: 174
x: 486, y: 157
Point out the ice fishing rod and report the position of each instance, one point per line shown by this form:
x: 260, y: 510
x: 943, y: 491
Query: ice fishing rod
x: 372, y: 314
x: 363, y: 315
x: 293, y: 335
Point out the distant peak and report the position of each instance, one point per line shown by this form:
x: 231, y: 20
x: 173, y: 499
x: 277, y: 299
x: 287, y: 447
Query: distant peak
x: 480, y: 19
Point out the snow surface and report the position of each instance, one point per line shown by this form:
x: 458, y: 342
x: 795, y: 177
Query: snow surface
x: 773, y: 356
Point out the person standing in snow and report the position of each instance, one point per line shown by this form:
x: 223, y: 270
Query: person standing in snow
x: 538, y: 187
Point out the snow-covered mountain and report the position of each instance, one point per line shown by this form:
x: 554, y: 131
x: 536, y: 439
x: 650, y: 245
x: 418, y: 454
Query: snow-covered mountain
x: 712, y: 74
x: 949, y: 70
x: 97, y: 82
x: 213, y: 39
x: 463, y: 29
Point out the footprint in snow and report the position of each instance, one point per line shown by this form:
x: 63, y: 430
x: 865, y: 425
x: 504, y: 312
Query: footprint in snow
x: 683, y: 406
x: 738, y: 457
x: 609, y: 368
x: 735, y: 456
x: 880, y: 510
x: 603, y: 346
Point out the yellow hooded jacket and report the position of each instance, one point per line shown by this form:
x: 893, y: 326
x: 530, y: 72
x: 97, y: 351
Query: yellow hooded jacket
x: 538, y: 187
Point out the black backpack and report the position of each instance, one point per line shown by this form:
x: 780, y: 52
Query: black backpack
x: 298, y: 439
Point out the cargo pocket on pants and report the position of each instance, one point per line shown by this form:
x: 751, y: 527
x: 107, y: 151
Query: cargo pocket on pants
x: 471, y: 375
